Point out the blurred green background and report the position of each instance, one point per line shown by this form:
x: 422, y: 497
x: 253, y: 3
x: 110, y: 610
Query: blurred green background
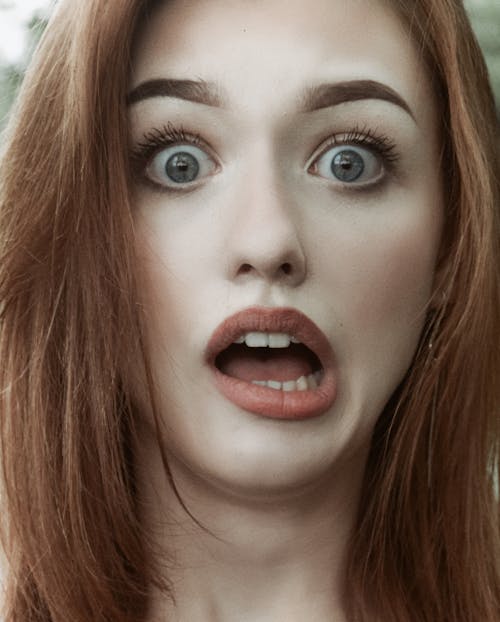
x: 485, y: 17
x: 484, y: 14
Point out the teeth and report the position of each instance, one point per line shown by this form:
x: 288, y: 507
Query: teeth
x: 257, y: 340
x: 311, y: 382
x: 291, y: 385
x: 273, y: 384
x: 303, y: 383
x: 265, y: 340
x: 278, y: 340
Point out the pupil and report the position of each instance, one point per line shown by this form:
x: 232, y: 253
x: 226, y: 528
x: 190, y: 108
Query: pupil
x: 348, y: 165
x: 182, y: 167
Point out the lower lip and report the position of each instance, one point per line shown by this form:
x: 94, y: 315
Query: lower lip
x: 277, y: 404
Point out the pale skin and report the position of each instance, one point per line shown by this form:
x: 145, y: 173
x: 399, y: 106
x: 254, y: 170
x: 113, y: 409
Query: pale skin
x: 266, y: 222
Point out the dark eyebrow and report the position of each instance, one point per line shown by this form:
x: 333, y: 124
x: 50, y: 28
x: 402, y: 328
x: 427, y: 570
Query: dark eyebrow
x: 197, y: 91
x: 314, y: 98
x: 326, y: 95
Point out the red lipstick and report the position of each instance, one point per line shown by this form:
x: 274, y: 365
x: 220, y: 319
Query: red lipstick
x: 237, y: 367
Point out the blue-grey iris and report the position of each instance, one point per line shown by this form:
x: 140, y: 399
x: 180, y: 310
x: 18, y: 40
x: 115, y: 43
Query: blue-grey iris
x: 182, y: 167
x: 348, y: 165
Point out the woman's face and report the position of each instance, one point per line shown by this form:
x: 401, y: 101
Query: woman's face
x: 288, y: 182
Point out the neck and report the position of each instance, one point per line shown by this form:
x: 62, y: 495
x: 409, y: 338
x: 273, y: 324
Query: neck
x: 274, y: 556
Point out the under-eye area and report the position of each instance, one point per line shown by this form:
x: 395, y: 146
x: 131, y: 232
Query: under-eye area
x: 273, y: 360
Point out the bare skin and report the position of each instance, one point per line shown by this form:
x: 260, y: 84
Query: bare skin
x: 267, y: 222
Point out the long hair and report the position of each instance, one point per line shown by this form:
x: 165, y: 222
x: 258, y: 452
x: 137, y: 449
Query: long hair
x: 426, y: 544
x: 68, y: 329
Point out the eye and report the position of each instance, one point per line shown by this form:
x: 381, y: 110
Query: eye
x: 348, y: 164
x: 180, y: 165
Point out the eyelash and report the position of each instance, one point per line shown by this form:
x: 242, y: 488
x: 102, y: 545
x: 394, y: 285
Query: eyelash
x: 159, y: 138
x: 367, y: 138
x: 169, y: 135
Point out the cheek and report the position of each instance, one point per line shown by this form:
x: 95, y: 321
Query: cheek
x: 380, y: 267
x: 393, y: 275
x: 177, y: 251
x: 160, y: 292
x: 169, y: 274
x: 176, y: 280
x: 379, y: 280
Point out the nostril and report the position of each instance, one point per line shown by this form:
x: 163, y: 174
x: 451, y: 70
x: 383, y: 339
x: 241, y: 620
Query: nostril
x: 285, y: 269
x: 245, y: 268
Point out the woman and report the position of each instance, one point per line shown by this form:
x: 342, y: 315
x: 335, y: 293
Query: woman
x: 250, y: 298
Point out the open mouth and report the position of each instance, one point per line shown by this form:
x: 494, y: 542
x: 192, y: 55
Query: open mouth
x: 273, y: 362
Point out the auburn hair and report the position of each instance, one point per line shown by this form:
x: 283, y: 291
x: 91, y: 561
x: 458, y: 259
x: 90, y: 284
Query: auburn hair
x: 426, y: 545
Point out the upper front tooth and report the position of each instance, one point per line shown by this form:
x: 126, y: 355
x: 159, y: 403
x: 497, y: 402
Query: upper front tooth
x: 264, y: 340
x: 257, y: 340
x: 278, y: 340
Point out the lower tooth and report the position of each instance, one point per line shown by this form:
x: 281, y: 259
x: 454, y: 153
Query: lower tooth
x: 273, y: 384
x: 311, y: 382
x: 302, y: 384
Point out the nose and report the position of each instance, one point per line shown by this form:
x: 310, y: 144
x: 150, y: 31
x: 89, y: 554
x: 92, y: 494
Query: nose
x: 265, y: 237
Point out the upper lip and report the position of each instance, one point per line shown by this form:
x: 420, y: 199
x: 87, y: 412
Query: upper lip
x: 278, y: 320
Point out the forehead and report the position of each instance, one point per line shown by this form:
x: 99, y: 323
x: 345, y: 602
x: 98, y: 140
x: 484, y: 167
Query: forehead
x: 267, y: 51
